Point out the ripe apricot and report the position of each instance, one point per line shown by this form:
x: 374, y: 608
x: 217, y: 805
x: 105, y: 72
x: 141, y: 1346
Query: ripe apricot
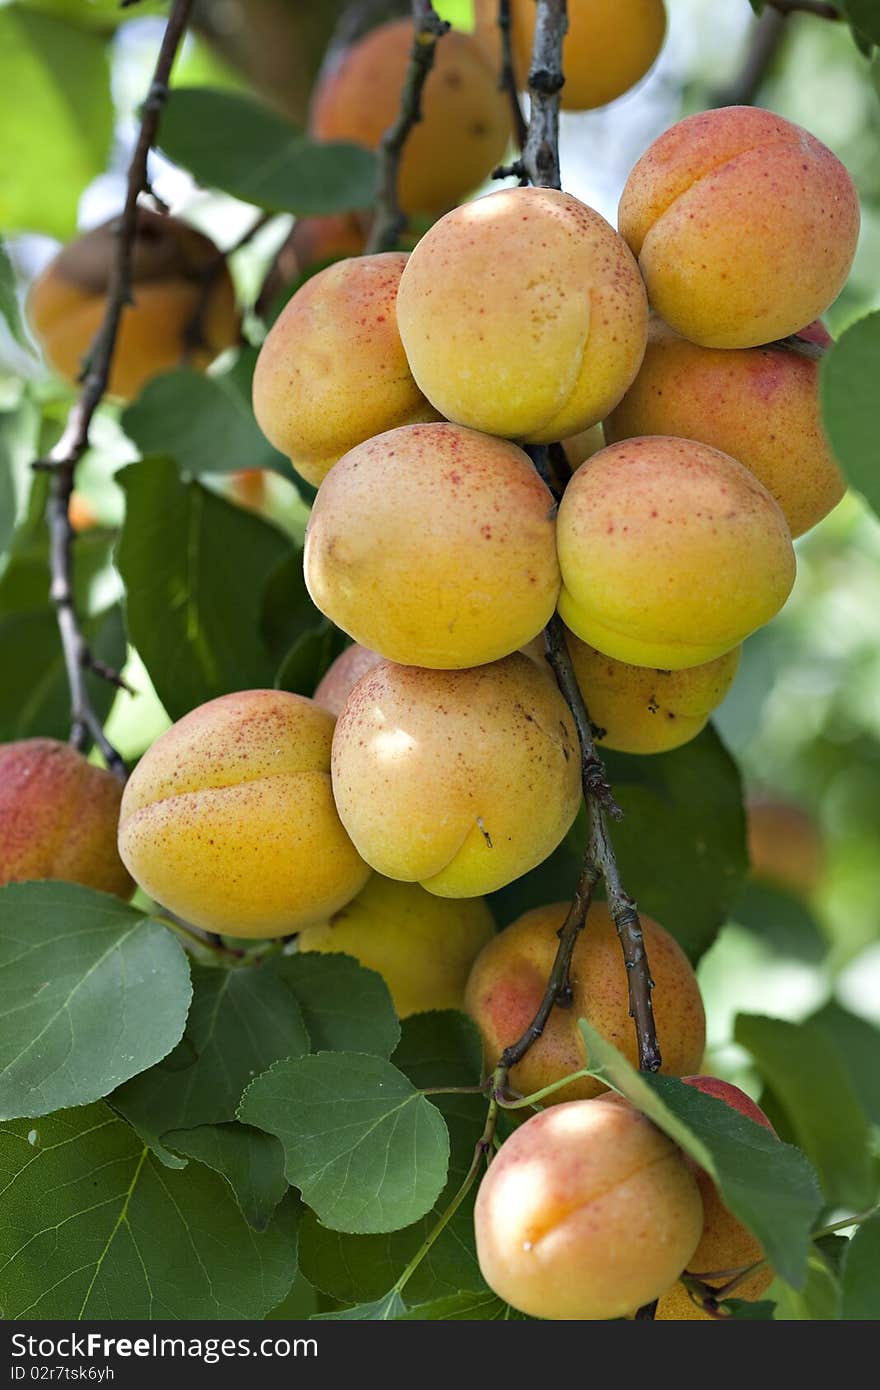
x: 609, y: 47
x: 341, y: 677
x: 510, y: 975
x: 523, y: 315
x: 228, y: 820
x: 671, y: 553
x: 745, y: 226
x: 434, y: 545
x: 458, y: 780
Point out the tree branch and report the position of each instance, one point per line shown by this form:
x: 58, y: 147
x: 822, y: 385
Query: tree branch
x: 63, y: 458
x: 390, y: 219
x: 764, y: 44
x: 507, y: 81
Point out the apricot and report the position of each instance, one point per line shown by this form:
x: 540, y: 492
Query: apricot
x: 228, y: 820
x: 332, y: 371
x: 745, y: 226
x: 458, y: 780
x: 510, y: 975
x: 58, y: 817
x: 434, y: 545
x: 523, y: 315
x: 726, y: 1244
x: 423, y: 946
x: 311, y: 242
x: 785, y: 846
x: 580, y: 447
x: 341, y: 677
x: 178, y: 276
x: 671, y: 553
x: 587, y: 1212
x: 638, y: 710
x: 760, y: 405
x: 465, y: 123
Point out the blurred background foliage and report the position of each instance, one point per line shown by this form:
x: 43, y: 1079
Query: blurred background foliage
x: 803, y: 718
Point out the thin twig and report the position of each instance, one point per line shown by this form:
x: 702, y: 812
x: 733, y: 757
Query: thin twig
x: 390, y: 219
x: 540, y: 156
x: 764, y: 44
x: 507, y: 80
x: 74, y: 440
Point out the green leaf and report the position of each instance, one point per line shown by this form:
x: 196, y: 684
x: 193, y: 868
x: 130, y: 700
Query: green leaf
x: 864, y: 16
x: 817, y: 1301
x: 204, y: 423
x: 194, y: 567
x: 91, y: 993
x: 386, y: 1309
x: 309, y: 658
x: 367, y: 1151
x: 860, y: 1275
x: 240, y: 1022
x: 742, y: 1311
x: 781, y: 921
x: 681, y: 844
x: 18, y: 446
x: 436, y: 1049
x: 484, y: 1306
x: 857, y: 1044
x: 9, y: 307
x: 95, y: 1228
x: 34, y: 695
x: 250, y: 1161
x: 229, y: 141
x: 770, y: 1186
x: 811, y: 1084
x: 287, y: 610
x: 345, y: 1007
x: 851, y: 404
x: 57, y: 115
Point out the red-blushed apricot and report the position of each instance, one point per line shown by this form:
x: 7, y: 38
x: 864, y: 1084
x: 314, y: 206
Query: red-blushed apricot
x: 423, y: 946
x: 760, y: 405
x: 178, y: 277
x: 609, y: 47
x: 671, y: 553
x: 745, y: 226
x: 340, y: 678
x: 726, y: 1244
x: 332, y: 371
x: 639, y: 710
x: 434, y: 545
x: 523, y: 315
x: 586, y: 1212
x: 465, y: 124
x: 312, y: 241
x: 785, y: 846
x: 510, y: 976
x: 458, y: 780
x: 228, y: 820
x: 58, y: 817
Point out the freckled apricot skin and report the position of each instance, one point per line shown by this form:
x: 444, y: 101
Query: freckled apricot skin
x: 423, y: 946
x: 745, y: 226
x: 465, y: 123
x: 586, y: 1212
x: 465, y: 570
x: 341, y: 677
x: 760, y: 405
x: 639, y: 710
x: 671, y: 553
x: 66, y: 303
x: 785, y: 846
x: 228, y: 820
x: 58, y: 817
x: 458, y: 780
x: 725, y: 1243
x: 510, y: 975
x: 523, y: 315
x: 332, y: 371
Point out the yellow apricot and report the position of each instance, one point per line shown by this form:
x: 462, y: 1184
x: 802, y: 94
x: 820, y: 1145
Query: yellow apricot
x: 171, y: 265
x: 671, y: 553
x: 760, y: 405
x: 580, y: 447
x: 58, y: 817
x: 639, y: 710
x: 423, y: 946
x: 458, y: 780
x: 229, y: 822
x: 785, y: 846
x: 745, y: 226
x: 435, y: 546
x: 726, y: 1244
x: 587, y: 1212
x: 341, y: 677
x: 332, y: 371
x: 609, y: 47
x: 510, y: 975
x: 523, y: 315
x: 465, y: 123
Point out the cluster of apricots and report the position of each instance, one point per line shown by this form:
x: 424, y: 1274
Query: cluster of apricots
x: 438, y: 761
